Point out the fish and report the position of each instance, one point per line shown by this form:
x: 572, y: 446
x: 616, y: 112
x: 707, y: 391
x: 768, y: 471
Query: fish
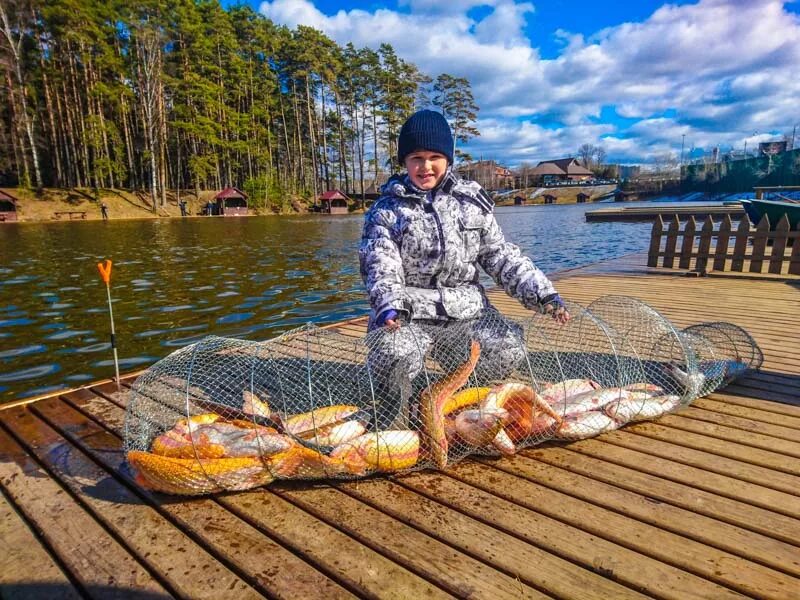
x: 190, y: 476
x: 529, y: 414
x: 433, y: 400
x: 253, y: 406
x: 465, y: 397
x: 333, y: 435
x: 559, y: 391
x: 585, y: 425
x: 589, y: 401
x: 386, y: 451
x: 219, y: 439
x: 631, y: 409
x: 644, y: 386
x: 479, y: 427
x: 300, y: 462
x: 308, y: 422
x: 693, y: 383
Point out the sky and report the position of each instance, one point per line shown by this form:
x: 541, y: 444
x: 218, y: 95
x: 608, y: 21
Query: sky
x: 638, y: 77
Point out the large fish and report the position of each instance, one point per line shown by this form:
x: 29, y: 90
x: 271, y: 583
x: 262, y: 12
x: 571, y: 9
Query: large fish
x: 560, y: 391
x: 633, y: 409
x: 333, y: 435
x: 189, y: 476
x: 220, y: 439
x: 529, y: 414
x: 254, y: 406
x: 465, y: 397
x: 308, y: 423
x: 385, y: 451
x: 585, y: 425
x: 589, y: 401
x: 433, y: 400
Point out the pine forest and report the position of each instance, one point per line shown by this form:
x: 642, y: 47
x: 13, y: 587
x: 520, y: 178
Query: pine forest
x: 156, y: 96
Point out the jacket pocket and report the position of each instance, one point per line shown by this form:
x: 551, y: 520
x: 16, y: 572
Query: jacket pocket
x: 470, y: 229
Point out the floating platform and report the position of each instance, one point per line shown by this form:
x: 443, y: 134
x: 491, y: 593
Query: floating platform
x: 704, y: 503
x: 649, y: 213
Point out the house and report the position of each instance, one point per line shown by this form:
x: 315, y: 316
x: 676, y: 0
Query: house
x: 560, y: 170
x: 488, y: 174
x: 230, y: 202
x: 8, y: 207
x: 334, y: 202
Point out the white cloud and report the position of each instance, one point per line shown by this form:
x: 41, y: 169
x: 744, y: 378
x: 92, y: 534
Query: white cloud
x: 715, y: 71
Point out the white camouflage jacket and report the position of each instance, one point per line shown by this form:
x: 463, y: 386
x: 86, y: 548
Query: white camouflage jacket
x: 420, y: 252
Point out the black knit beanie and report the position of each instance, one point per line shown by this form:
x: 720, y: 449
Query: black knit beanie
x: 425, y: 130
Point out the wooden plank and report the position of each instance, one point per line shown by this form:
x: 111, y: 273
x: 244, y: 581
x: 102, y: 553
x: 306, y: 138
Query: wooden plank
x: 774, y: 431
x: 779, y: 245
x: 723, y: 240
x: 455, y: 571
x: 595, y: 538
x: 687, y: 243
x: 534, y: 566
x: 22, y: 553
x: 655, y: 241
x: 672, y: 240
x: 794, y: 258
x: 703, y: 252
x: 92, y: 556
x: 275, y: 570
x: 668, y: 446
x: 723, y: 432
x: 759, y: 240
x: 740, y: 245
x: 634, y: 471
x: 746, y: 544
x: 751, y: 408
x: 177, y: 560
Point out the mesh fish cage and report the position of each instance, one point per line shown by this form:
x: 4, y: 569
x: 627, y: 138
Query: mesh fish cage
x: 229, y: 414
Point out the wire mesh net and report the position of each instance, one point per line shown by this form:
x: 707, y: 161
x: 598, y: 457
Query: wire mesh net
x: 229, y: 414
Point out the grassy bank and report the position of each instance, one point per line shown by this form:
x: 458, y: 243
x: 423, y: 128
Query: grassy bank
x: 122, y: 204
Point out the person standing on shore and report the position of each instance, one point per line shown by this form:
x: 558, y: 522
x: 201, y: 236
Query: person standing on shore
x: 104, y: 211
x: 422, y: 244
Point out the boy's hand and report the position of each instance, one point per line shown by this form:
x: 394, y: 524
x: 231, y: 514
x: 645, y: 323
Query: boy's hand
x: 554, y: 306
x: 388, y: 319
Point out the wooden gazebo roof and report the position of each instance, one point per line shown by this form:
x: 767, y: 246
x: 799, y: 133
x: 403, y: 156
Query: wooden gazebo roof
x: 230, y: 192
x: 6, y: 197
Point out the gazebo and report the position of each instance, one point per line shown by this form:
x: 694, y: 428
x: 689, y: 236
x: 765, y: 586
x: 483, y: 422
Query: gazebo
x: 230, y: 202
x: 583, y: 197
x: 334, y: 202
x: 8, y: 207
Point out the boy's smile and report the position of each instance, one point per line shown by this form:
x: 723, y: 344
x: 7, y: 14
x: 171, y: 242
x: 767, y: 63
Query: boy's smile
x: 426, y: 169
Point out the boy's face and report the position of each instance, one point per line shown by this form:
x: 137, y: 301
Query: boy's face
x: 426, y: 169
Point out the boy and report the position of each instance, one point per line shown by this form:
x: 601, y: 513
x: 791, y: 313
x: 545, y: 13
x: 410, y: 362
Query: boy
x: 422, y: 244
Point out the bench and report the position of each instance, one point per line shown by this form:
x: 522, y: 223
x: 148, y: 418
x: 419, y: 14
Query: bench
x: 73, y: 214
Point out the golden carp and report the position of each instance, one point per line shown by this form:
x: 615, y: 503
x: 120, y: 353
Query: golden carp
x: 560, y: 391
x: 433, y: 400
x: 638, y: 410
x: 529, y: 414
x: 336, y: 434
x: 299, y: 462
x: 386, y: 451
x: 585, y: 425
x: 308, y: 422
x: 253, y: 406
x: 191, y: 476
x: 464, y: 398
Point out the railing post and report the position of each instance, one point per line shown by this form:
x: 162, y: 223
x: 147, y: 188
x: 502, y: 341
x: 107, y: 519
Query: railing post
x: 672, y: 240
x: 723, y: 240
x: 794, y: 259
x: 655, y: 242
x: 687, y: 244
x: 740, y: 246
x: 703, y: 253
x: 759, y: 245
x: 779, y: 240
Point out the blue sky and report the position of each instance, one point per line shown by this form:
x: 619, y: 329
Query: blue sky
x: 636, y: 78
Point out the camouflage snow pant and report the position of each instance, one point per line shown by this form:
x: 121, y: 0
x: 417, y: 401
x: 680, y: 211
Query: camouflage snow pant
x: 396, y: 359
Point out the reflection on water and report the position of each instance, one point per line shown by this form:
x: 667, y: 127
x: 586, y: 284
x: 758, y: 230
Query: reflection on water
x: 175, y: 281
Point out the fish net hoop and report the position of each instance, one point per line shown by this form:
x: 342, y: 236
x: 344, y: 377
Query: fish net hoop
x: 230, y: 414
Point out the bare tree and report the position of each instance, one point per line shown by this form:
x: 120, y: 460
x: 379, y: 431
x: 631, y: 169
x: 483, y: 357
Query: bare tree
x: 148, y: 53
x: 585, y: 154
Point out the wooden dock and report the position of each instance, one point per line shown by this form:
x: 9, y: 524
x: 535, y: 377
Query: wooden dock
x: 704, y: 503
x: 631, y: 214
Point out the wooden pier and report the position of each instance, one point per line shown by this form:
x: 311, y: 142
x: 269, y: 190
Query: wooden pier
x: 704, y: 503
x: 631, y: 214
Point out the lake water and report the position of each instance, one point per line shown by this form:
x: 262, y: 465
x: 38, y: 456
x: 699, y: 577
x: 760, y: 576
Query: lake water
x: 175, y: 281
